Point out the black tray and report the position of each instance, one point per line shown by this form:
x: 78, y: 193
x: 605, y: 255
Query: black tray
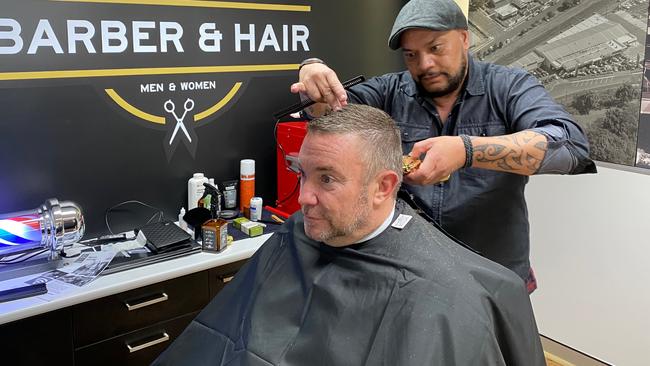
x: 135, y: 260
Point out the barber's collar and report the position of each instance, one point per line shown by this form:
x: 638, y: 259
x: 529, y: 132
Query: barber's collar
x: 474, y: 85
x: 380, y: 229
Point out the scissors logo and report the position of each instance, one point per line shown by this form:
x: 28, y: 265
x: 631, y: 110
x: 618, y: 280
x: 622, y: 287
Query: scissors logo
x: 170, y: 107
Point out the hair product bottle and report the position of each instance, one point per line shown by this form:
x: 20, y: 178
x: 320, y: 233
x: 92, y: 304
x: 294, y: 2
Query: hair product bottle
x: 195, y: 190
x: 246, y: 185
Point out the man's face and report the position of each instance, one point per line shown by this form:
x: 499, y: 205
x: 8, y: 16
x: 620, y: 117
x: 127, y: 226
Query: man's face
x: 333, y: 192
x: 437, y: 60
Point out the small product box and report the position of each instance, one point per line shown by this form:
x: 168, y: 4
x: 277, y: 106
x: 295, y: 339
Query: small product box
x: 251, y: 228
x: 238, y: 221
x: 215, y: 235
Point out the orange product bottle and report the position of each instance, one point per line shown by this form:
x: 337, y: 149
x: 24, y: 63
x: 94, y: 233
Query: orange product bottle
x: 246, y: 185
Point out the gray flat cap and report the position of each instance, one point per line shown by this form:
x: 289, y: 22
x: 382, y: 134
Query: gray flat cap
x: 438, y: 15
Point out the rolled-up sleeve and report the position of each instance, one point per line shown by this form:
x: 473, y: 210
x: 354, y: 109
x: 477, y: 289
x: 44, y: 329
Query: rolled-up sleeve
x: 530, y: 107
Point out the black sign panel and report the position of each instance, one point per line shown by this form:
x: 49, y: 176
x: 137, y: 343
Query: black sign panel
x: 105, y: 101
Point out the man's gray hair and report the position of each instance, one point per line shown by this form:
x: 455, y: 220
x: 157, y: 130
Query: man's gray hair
x: 382, y: 143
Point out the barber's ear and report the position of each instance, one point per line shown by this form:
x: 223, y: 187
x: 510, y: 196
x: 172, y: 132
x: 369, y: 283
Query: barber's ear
x: 464, y: 36
x: 386, y: 182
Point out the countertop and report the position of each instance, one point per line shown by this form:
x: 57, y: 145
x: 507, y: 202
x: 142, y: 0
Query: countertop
x: 127, y: 280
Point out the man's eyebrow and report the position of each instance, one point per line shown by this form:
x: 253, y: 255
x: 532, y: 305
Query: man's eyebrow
x: 325, y: 168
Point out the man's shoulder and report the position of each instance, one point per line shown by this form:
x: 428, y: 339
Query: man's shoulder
x: 491, y: 67
x: 491, y: 71
x: 392, y: 79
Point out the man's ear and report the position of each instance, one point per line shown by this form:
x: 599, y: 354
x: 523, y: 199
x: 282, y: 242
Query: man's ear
x: 464, y: 36
x: 386, y: 183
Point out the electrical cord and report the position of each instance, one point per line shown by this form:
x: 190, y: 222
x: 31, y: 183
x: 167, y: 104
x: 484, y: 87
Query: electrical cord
x: 278, y: 144
x: 160, y: 217
x: 158, y: 213
x: 288, y: 197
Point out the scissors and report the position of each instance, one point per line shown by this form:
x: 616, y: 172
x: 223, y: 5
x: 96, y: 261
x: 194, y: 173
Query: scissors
x: 170, y: 107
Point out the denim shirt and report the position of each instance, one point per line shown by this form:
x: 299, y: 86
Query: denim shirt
x: 485, y: 209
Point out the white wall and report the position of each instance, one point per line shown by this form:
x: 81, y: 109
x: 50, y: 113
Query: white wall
x: 590, y: 249
x: 464, y: 4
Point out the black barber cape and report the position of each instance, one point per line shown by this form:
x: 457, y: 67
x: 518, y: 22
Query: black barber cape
x: 406, y: 297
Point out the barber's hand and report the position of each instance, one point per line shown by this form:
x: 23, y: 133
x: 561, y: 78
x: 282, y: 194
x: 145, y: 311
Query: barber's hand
x: 442, y: 156
x: 320, y: 84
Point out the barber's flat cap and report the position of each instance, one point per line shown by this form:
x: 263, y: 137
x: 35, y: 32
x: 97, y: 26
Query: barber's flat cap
x: 437, y: 15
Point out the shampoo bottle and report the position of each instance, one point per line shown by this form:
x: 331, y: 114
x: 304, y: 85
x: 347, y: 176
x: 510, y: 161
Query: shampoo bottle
x: 195, y: 190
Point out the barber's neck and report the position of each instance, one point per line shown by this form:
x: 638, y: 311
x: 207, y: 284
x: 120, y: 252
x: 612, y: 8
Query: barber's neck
x: 445, y: 104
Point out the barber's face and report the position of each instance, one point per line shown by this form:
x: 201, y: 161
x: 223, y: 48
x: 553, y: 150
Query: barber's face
x: 437, y: 60
x: 333, y: 192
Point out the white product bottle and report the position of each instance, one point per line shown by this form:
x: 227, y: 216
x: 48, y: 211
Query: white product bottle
x: 195, y: 190
x: 181, y: 222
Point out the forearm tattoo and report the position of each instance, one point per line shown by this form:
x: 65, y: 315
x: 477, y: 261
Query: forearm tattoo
x: 520, y: 153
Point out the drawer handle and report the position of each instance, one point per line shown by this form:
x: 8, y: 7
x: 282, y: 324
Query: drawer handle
x: 161, y: 298
x: 163, y: 338
x: 227, y: 279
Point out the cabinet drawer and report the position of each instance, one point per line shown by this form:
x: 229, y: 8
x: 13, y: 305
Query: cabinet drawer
x: 118, y: 314
x: 220, y: 276
x: 136, y: 348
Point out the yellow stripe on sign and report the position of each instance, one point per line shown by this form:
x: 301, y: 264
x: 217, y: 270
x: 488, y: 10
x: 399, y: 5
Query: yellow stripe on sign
x: 70, y: 74
x: 133, y: 110
x: 201, y: 4
x: 212, y: 110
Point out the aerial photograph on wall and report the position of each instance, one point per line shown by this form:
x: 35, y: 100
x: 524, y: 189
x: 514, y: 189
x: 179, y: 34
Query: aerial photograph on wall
x: 643, y: 146
x: 589, y: 54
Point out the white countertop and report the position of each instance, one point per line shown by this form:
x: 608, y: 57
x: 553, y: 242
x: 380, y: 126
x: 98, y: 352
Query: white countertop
x: 128, y: 280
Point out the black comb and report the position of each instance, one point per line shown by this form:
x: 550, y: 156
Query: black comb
x: 306, y: 103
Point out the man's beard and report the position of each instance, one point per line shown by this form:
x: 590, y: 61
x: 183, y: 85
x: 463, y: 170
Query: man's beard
x: 453, y: 81
x: 359, y: 220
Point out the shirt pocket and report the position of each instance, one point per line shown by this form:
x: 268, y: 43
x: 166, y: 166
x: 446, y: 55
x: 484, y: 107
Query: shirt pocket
x: 482, y: 130
x: 411, y: 133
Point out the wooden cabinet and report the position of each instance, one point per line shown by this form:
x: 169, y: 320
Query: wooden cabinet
x: 107, y: 317
x: 129, y: 328
x: 220, y: 276
x: 133, y: 327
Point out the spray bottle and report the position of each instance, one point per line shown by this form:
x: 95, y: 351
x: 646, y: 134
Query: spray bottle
x: 211, y: 200
x: 214, y: 231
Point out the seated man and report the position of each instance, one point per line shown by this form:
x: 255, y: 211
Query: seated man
x: 358, y: 278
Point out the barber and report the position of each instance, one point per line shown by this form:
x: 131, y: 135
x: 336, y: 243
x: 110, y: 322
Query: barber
x: 485, y: 126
